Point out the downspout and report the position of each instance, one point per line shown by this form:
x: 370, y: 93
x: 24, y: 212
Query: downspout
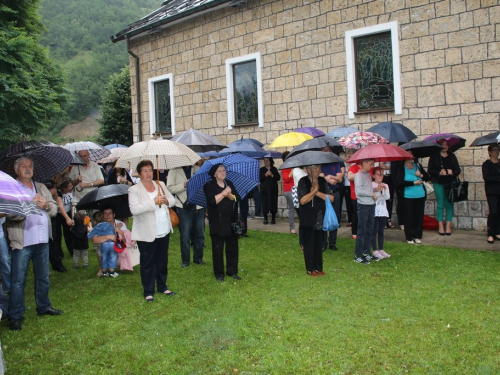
x: 138, y: 89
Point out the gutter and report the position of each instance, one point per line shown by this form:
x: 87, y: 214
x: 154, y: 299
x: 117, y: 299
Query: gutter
x: 138, y: 89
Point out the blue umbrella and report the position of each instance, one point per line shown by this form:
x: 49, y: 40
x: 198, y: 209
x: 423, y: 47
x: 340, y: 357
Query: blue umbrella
x: 252, y: 140
x: 241, y: 170
x: 114, y: 145
x: 341, y: 132
x: 208, y: 154
x: 246, y: 148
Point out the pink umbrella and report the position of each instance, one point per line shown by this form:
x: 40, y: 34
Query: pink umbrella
x: 380, y: 152
x: 361, y: 139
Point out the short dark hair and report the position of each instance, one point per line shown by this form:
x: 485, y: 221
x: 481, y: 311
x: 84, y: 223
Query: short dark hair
x: 79, y: 218
x: 490, y: 147
x: 144, y: 163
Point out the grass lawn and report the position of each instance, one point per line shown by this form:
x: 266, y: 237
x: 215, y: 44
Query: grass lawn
x: 426, y: 310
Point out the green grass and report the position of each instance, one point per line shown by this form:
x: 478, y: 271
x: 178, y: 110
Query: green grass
x: 426, y: 310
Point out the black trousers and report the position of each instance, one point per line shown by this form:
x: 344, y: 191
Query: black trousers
x: 55, y: 250
x: 66, y: 229
x: 400, y: 206
x: 414, y: 218
x: 494, y: 215
x: 231, y: 255
x: 348, y: 203
x: 354, y: 225
x: 313, y: 252
x: 153, y: 257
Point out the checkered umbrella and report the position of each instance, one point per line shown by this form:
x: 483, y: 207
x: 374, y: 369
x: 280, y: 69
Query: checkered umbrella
x: 116, y: 153
x: 163, y: 153
x: 13, y: 198
x: 48, y: 158
x: 241, y: 170
x: 96, y: 151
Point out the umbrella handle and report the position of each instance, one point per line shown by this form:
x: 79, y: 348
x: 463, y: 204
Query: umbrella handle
x: 158, y: 181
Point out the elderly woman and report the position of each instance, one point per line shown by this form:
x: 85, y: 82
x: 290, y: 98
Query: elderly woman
x: 312, y: 197
x: 411, y: 176
x: 149, y: 202
x: 443, y: 169
x: 221, y: 198
x: 269, y: 177
x: 491, y: 177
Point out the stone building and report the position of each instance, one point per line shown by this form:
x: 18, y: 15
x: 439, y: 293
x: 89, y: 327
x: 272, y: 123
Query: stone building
x: 298, y: 64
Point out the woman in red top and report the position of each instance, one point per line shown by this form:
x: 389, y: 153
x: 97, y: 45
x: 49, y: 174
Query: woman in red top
x: 287, y: 191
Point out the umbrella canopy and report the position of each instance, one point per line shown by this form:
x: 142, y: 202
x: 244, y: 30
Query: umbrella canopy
x: 96, y: 151
x: 454, y: 141
x: 114, y: 145
x: 315, y: 144
x: 168, y: 154
x: 209, y: 154
x: 313, y: 132
x: 393, y: 132
x: 488, y: 139
x: 249, y: 149
x: 13, y: 198
x: 380, y: 152
x: 48, y: 158
x: 311, y: 158
x: 106, y: 196
x: 341, y: 132
x: 116, y: 153
x: 291, y: 139
x: 422, y: 149
x: 253, y: 140
x: 241, y: 170
x: 198, y: 141
x: 272, y: 154
x: 77, y: 160
x: 361, y: 139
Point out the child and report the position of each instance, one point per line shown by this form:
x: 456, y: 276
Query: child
x: 80, y: 241
x: 108, y: 254
x: 366, y: 211
x: 381, y: 213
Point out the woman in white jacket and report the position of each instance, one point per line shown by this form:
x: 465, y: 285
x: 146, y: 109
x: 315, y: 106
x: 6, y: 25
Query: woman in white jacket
x: 151, y: 229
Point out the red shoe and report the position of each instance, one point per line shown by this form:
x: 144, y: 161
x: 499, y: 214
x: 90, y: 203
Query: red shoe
x: 312, y: 273
x: 354, y: 236
x: 321, y: 273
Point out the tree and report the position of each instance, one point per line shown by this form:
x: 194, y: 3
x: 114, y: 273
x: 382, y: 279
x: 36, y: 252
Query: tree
x: 116, y: 110
x: 31, y: 85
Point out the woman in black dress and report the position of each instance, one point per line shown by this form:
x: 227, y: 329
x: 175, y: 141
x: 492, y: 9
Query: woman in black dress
x: 221, y: 198
x: 269, y: 177
x: 491, y: 177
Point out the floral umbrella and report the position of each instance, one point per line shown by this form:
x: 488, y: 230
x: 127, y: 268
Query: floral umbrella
x: 360, y: 139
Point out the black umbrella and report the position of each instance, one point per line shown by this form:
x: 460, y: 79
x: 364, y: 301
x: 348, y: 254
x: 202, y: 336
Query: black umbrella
x: 454, y: 141
x: 488, y: 139
x: 198, y: 141
x: 106, y: 196
x: 48, y: 158
x: 315, y: 144
x: 393, y: 132
x: 311, y: 158
x: 422, y: 149
x: 253, y: 140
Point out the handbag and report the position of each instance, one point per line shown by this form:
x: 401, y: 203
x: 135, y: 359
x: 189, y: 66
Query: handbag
x: 429, y: 189
x: 330, y: 221
x: 237, y: 225
x: 295, y: 197
x: 457, y: 191
x: 119, y: 245
x: 173, y: 217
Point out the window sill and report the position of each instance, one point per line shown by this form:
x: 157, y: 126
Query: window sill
x: 375, y: 110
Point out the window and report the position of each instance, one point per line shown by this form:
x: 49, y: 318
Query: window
x: 161, y: 104
x: 373, y: 76
x: 244, y: 91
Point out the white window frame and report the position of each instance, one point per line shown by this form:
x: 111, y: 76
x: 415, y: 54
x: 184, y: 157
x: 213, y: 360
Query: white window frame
x: 351, y: 66
x: 231, y: 116
x: 152, y: 109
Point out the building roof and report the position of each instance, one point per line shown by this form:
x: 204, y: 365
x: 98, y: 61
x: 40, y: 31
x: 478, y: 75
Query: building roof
x: 171, y: 11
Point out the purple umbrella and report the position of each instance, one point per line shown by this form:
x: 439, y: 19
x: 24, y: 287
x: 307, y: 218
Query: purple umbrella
x: 313, y: 132
x: 13, y: 198
x: 454, y: 141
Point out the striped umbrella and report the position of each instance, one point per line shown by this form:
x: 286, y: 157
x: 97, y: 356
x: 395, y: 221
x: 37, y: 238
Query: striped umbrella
x: 241, y: 170
x: 13, y: 198
x: 96, y: 151
x: 48, y: 158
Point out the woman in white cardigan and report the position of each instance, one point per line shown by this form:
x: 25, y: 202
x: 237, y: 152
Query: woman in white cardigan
x: 151, y: 229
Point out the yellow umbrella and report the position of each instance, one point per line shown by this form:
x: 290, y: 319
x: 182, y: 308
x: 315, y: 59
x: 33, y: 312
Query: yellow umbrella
x: 291, y: 139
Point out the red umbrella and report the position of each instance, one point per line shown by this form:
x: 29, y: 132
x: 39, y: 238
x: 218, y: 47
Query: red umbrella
x: 380, y: 152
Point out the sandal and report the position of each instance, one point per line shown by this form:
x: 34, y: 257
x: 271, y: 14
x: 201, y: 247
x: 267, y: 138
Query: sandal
x: 149, y: 298
x: 490, y: 241
x: 293, y: 231
x: 390, y: 224
x: 169, y: 293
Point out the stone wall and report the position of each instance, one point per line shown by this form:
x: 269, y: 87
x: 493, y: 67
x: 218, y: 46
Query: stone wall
x: 450, y: 64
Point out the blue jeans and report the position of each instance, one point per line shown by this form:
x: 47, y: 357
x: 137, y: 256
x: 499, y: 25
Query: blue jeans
x: 366, y: 214
x: 192, y: 226
x: 20, y: 261
x: 5, y: 264
x: 108, y: 255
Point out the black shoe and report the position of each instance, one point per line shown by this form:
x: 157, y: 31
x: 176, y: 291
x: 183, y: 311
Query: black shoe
x: 323, y: 248
x: 220, y: 278
x: 60, y: 269
x: 244, y: 235
x: 273, y: 221
x: 185, y: 265
x: 51, y: 311
x: 200, y: 262
x: 265, y: 222
x: 15, y: 325
x: 236, y: 277
x: 333, y: 247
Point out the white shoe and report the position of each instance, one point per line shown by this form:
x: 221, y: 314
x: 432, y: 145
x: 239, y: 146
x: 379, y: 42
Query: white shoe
x: 384, y: 254
x: 378, y: 254
x: 411, y: 242
x: 417, y: 241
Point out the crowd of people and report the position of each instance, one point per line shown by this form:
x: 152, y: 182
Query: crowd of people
x: 369, y: 191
